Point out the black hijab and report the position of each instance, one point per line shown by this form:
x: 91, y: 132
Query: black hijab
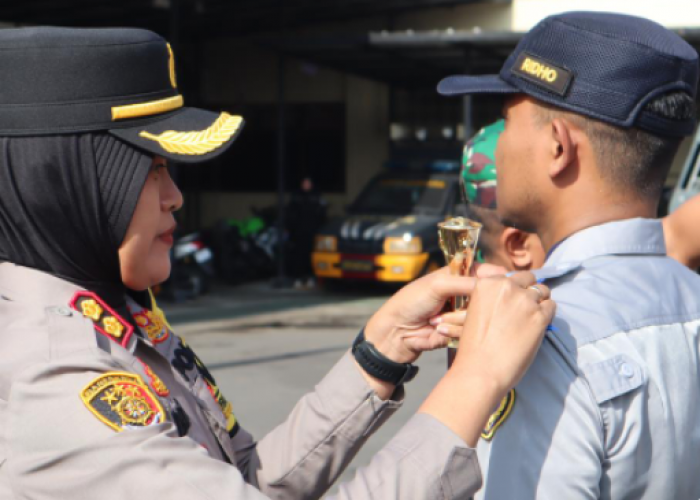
x: 65, y: 205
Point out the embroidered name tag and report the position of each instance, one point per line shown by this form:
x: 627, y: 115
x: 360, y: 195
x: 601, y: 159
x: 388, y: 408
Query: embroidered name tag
x: 542, y: 73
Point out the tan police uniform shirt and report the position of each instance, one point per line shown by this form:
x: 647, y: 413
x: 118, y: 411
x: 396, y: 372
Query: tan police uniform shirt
x: 86, y: 414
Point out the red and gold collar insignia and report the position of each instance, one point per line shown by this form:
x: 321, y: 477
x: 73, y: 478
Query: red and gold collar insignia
x: 107, y: 321
x: 156, y: 383
x: 153, y: 324
x: 122, y: 401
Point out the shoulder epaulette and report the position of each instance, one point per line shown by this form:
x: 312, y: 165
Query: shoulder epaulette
x: 106, y: 320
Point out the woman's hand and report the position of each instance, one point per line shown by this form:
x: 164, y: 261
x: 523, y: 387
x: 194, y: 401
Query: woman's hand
x: 408, y: 323
x: 401, y: 328
x: 503, y: 330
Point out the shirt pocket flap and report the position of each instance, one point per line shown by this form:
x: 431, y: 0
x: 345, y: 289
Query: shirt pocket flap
x: 614, y: 377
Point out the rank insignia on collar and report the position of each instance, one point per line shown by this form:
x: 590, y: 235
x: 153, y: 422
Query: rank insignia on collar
x: 122, y: 401
x: 156, y: 383
x: 107, y: 321
x: 499, y: 416
x: 153, y: 324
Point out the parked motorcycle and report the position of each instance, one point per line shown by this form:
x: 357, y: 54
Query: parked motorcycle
x: 193, y: 268
x: 246, y: 249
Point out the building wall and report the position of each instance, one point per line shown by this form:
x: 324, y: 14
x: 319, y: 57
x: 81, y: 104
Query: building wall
x: 670, y: 13
x: 249, y: 75
x: 487, y: 16
x: 234, y: 73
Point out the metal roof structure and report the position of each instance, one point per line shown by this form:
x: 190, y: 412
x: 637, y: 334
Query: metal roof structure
x: 405, y: 59
x: 411, y: 59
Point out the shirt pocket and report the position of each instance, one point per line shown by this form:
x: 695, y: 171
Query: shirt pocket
x: 614, y: 377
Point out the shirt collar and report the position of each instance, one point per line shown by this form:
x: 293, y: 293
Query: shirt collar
x: 624, y: 237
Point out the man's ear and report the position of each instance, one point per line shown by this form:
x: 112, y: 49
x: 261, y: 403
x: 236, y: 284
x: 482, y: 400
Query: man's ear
x: 563, y: 147
x: 514, y: 242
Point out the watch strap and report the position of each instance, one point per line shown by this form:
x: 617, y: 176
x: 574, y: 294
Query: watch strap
x: 379, y: 366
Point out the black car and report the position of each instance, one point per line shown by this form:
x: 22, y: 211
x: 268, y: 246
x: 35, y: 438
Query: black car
x: 390, y: 231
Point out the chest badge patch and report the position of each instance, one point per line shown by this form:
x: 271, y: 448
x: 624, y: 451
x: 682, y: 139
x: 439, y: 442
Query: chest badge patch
x: 122, y: 401
x: 499, y: 416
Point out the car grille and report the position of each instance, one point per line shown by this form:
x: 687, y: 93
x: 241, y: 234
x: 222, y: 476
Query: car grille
x: 360, y: 246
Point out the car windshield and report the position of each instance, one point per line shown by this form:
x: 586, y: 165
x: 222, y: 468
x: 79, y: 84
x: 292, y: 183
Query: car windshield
x: 402, y: 196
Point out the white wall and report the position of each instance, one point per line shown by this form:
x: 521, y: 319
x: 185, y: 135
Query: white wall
x: 670, y: 13
x: 486, y: 16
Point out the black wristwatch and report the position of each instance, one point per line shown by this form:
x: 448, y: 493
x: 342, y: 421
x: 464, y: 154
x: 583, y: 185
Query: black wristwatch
x: 378, y: 365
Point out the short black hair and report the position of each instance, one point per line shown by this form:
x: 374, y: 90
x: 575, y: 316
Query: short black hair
x: 632, y: 158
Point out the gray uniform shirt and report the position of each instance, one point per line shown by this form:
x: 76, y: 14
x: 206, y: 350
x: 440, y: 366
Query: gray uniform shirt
x: 611, y: 405
x: 52, y: 446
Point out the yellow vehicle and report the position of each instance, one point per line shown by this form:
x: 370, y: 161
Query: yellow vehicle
x: 390, y: 231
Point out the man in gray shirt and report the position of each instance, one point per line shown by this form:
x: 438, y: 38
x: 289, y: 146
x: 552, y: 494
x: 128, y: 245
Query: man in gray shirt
x: 596, y: 106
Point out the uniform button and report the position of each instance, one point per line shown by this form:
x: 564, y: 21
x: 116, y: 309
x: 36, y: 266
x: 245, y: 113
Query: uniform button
x: 64, y: 311
x: 626, y: 370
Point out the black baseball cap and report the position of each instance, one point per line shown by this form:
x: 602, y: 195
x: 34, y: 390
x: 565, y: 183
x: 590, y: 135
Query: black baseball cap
x: 602, y: 65
x: 123, y: 81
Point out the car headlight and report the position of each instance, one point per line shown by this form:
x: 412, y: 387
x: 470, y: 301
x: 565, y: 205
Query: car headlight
x: 326, y: 244
x: 403, y: 244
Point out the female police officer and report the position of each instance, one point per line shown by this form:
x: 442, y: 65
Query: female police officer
x: 100, y: 399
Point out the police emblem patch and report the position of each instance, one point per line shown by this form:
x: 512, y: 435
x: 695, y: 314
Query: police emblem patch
x: 499, y: 416
x: 122, y: 400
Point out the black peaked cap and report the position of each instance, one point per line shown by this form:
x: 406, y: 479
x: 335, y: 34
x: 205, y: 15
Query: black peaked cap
x: 67, y: 80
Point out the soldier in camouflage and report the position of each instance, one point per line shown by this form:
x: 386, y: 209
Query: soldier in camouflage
x: 508, y: 247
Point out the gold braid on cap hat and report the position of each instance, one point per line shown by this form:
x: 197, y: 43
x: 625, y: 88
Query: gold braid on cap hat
x: 198, y: 142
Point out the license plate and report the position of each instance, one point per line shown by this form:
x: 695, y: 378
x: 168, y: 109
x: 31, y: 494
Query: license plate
x: 357, y: 266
